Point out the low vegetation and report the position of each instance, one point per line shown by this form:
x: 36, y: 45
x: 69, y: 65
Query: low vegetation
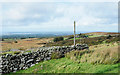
x: 106, y: 54
x: 15, y: 41
x: 89, y: 41
x: 102, y: 56
x: 10, y: 52
x: 23, y: 44
x: 65, y: 65
x: 56, y: 55
x: 56, y: 39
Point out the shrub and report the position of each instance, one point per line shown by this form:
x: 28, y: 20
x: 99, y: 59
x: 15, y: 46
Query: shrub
x: 108, y: 37
x: 58, y: 39
x: 23, y: 38
x: 70, y: 37
x: 31, y: 37
x: 2, y: 39
x: 15, y: 41
x: 17, y: 52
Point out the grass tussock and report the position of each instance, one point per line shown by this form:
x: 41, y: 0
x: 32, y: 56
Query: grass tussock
x: 100, y: 55
x: 56, y: 55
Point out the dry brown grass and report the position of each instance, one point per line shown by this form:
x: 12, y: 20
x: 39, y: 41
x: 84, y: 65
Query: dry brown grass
x: 24, y: 44
x: 104, y: 55
x: 99, y: 54
x: 102, y: 33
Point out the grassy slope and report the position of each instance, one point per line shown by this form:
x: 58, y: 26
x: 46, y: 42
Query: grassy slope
x: 65, y: 65
x: 99, y: 54
x: 92, y: 36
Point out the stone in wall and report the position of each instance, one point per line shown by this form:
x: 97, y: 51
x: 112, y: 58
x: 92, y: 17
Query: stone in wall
x: 12, y: 63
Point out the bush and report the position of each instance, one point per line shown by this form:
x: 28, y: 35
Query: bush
x: 17, y: 52
x: 23, y: 38
x: 31, y: 37
x: 15, y: 41
x: 58, y: 39
x: 2, y: 39
x: 70, y: 37
x: 108, y: 37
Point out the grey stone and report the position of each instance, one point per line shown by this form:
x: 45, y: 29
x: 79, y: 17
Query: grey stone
x: 15, y: 69
x: 32, y: 65
x: 23, y: 61
x: 21, y: 65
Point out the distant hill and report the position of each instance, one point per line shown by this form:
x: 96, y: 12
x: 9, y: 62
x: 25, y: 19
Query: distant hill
x: 95, y: 33
x: 102, y: 33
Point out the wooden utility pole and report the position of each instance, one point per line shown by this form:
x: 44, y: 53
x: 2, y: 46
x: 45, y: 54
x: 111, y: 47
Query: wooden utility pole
x: 74, y: 34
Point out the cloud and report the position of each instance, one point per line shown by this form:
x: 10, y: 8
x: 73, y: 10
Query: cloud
x: 24, y: 14
x: 0, y: 19
x: 59, y: 0
x: 60, y: 16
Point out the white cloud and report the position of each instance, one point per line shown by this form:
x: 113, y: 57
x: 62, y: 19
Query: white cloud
x: 60, y: 16
x: 59, y: 0
x: 0, y: 19
x: 14, y: 14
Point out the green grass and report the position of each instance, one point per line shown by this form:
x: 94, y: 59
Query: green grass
x: 10, y: 52
x: 76, y: 38
x: 65, y: 65
x: 65, y: 38
x: 99, y: 54
x: 70, y: 63
x: 92, y: 36
x: 96, y: 36
x: 89, y: 41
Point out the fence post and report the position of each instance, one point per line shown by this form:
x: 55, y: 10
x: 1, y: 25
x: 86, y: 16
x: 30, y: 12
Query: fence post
x: 74, y: 34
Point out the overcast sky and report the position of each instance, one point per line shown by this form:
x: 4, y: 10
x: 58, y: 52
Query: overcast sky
x: 59, y: 16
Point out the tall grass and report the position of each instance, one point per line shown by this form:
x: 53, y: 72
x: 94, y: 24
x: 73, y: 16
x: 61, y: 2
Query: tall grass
x: 100, y: 55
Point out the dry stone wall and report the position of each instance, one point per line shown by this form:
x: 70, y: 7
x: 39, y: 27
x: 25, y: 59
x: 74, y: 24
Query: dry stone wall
x: 12, y: 63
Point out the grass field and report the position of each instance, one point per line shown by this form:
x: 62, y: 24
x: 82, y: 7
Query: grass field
x: 96, y: 36
x: 92, y: 36
x: 98, y: 54
x: 102, y: 56
x: 72, y: 65
x: 24, y: 44
x: 65, y: 65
